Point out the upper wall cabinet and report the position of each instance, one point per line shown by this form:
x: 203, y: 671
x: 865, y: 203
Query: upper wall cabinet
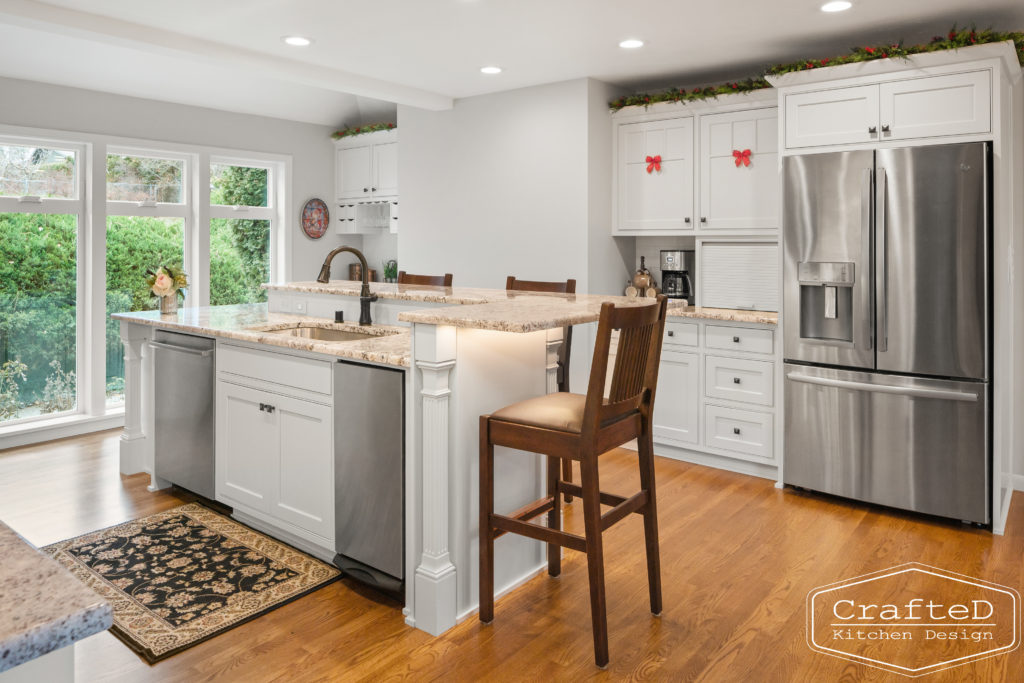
x: 366, y: 166
x: 739, y: 170
x: 656, y: 175
x: 704, y: 167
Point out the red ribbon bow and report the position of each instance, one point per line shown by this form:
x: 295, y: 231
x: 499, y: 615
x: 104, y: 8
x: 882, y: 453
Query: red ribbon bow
x: 653, y: 163
x: 741, y: 157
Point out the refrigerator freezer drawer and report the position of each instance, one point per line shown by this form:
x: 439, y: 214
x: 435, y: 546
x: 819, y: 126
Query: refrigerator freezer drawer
x: 908, y: 443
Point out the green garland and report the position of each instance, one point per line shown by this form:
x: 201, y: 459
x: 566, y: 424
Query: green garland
x: 956, y: 38
x: 361, y: 130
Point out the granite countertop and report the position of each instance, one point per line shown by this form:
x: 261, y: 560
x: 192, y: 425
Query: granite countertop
x: 44, y: 608
x: 386, y: 344
x: 730, y: 314
x: 424, y: 293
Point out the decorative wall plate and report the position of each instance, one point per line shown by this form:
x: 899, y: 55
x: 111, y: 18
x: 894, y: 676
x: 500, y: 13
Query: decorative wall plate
x: 315, y: 218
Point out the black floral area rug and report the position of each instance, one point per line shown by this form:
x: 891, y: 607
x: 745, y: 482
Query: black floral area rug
x: 182, y: 576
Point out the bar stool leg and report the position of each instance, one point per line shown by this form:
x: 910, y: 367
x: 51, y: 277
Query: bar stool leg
x: 567, y: 476
x: 646, y: 458
x: 486, y: 535
x: 595, y: 555
x: 554, y: 516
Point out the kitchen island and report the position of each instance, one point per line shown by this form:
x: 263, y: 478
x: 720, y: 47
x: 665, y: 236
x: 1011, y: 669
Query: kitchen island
x: 465, y: 352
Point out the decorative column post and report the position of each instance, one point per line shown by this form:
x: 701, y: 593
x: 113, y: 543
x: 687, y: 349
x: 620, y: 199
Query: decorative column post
x: 435, y: 581
x: 133, y: 439
x: 553, y: 349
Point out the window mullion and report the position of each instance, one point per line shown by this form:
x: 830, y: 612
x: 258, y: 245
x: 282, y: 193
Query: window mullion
x: 200, y: 290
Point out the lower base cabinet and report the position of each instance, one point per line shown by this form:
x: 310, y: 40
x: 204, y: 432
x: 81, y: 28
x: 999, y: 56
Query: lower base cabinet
x: 275, y: 455
x: 676, y: 417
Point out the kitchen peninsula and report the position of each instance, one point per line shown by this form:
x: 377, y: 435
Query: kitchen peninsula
x: 464, y: 352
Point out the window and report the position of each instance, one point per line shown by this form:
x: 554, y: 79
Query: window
x: 145, y: 179
x: 241, y: 213
x: 39, y: 273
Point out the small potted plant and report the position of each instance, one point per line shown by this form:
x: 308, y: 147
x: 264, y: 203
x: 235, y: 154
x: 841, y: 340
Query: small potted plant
x: 391, y: 270
x: 167, y: 283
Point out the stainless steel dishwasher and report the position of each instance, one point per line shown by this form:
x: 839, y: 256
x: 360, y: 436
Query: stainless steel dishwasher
x: 369, y: 473
x: 183, y: 394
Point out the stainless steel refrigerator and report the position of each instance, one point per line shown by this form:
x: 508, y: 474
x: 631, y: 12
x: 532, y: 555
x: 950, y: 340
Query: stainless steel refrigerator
x: 886, y: 304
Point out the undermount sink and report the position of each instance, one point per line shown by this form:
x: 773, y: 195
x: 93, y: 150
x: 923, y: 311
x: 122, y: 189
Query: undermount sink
x: 330, y: 334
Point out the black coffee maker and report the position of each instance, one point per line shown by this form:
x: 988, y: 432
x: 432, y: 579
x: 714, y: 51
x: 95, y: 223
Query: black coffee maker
x: 676, y: 270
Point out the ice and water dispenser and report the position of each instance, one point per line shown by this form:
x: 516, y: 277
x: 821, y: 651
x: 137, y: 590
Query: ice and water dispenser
x: 826, y: 300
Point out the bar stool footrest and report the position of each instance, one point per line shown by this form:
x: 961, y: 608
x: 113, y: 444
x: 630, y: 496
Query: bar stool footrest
x: 541, y: 533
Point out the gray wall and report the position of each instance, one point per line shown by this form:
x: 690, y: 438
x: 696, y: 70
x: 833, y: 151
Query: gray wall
x: 511, y: 183
x: 39, y: 105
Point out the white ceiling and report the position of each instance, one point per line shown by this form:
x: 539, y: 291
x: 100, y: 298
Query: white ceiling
x: 228, y: 53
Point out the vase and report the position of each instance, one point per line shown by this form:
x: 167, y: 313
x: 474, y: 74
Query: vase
x: 169, y: 304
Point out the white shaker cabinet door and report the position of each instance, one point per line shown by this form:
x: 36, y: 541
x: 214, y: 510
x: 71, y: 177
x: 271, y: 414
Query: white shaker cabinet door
x: 352, y: 172
x: 740, y: 193
x: 305, y: 466
x: 247, y: 447
x: 677, y: 402
x: 661, y: 199
x: 385, y: 170
x: 832, y: 117
x: 956, y: 104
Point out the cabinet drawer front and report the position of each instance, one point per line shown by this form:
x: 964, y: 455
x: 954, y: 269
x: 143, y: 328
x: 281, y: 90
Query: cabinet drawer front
x: 749, y: 339
x: 740, y: 431
x: 302, y: 373
x: 832, y: 117
x: 680, y: 334
x: 959, y: 104
x: 736, y: 379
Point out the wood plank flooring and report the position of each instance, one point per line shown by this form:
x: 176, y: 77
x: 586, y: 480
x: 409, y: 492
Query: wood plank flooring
x: 738, y: 558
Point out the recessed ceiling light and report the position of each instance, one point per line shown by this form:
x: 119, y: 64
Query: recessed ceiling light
x: 297, y: 41
x: 836, y: 6
x: 490, y: 70
x: 631, y: 44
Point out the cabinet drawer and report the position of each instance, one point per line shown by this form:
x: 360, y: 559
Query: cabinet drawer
x: 680, y: 334
x: 736, y: 379
x: 749, y: 339
x: 740, y: 431
x: 279, y: 368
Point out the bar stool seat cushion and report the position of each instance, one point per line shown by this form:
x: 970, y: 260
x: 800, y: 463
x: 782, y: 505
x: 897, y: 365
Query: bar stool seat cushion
x: 560, y: 411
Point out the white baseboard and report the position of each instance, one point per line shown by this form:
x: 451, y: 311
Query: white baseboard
x: 721, y: 462
x: 1017, y: 482
x: 516, y: 583
x: 58, y: 428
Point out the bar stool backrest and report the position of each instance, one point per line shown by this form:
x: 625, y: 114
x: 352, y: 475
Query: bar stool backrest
x: 405, y: 278
x: 567, y: 287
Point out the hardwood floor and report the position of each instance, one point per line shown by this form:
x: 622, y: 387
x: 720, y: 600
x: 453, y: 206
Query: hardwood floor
x: 738, y: 558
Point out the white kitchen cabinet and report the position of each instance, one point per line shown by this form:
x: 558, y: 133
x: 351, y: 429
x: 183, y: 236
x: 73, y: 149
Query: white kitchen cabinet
x: 744, y: 432
x: 659, y: 199
x: 741, y: 275
x: 901, y: 109
x: 676, y: 417
x: 366, y: 166
x: 738, y: 196
x: 275, y: 440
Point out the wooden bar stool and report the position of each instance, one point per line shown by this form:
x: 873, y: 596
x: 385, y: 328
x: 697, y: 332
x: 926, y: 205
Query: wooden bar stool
x: 405, y: 278
x: 567, y: 287
x: 567, y: 426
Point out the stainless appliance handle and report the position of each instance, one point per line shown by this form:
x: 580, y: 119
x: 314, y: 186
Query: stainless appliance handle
x: 917, y: 392
x: 865, y: 217
x: 882, y: 272
x: 181, y: 349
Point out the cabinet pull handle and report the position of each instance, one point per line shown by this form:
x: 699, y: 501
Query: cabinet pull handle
x: 263, y: 407
x: 687, y: 220
x: 885, y: 129
x: 270, y: 408
x: 736, y: 340
x: 872, y: 129
x: 735, y: 430
x: 366, y: 189
x: 703, y: 219
x: 373, y: 189
x: 735, y: 380
x: 671, y: 333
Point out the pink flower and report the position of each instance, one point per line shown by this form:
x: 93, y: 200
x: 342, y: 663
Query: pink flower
x: 163, y: 285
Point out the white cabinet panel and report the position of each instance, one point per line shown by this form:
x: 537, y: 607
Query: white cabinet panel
x: 832, y: 117
x: 743, y: 197
x: 680, y: 334
x: 958, y: 104
x: 741, y: 431
x: 385, y: 170
x: 352, y: 172
x: 305, y: 466
x: 746, y: 339
x: 737, y: 379
x: 659, y: 200
x: 307, y: 374
x: 739, y: 275
x: 247, y: 446
x: 677, y: 404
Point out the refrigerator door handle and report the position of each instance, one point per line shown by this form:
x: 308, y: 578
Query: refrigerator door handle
x: 865, y: 217
x: 881, y: 266
x: 916, y: 392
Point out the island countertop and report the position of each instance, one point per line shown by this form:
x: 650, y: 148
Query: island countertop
x: 385, y: 344
x: 45, y: 608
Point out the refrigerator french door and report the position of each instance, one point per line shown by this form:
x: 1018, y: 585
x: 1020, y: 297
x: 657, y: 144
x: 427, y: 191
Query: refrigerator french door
x: 886, y: 327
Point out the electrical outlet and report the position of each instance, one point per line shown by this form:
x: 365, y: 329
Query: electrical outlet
x: 300, y: 306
